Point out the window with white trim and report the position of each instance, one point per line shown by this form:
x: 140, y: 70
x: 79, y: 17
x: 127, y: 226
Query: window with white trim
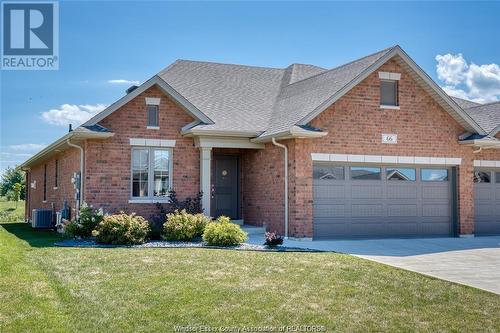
x: 153, y: 116
x: 151, y: 172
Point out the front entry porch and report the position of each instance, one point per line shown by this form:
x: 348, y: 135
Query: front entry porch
x: 222, y: 167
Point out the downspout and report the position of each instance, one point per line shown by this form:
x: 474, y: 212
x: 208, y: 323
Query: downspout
x: 477, y: 151
x: 285, y: 148
x: 80, y: 201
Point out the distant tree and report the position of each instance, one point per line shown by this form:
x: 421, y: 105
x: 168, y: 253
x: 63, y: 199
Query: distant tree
x: 10, y: 177
x: 17, y: 189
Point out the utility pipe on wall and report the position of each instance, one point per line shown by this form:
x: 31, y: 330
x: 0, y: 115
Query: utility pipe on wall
x: 285, y: 148
x: 81, y: 171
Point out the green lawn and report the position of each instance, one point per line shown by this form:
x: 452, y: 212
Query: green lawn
x: 11, y: 211
x: 45, y: 288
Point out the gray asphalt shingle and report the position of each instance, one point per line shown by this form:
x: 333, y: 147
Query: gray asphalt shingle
x: 486, y: 115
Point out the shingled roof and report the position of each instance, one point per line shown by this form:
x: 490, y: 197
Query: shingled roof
x: 262, y: 103
x: 270, y: 101
x: 486, y: 115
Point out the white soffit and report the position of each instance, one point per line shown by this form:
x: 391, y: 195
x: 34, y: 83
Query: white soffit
x: 386, y: 159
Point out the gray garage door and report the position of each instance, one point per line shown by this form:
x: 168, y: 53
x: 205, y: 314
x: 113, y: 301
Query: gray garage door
x: 487, y: 201
x: 377, y: 201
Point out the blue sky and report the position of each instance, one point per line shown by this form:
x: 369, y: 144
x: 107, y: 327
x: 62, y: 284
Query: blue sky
x: 101, y: 42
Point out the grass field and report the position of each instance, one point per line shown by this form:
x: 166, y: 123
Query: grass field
x: 11, y: 211
x: 45, y: 288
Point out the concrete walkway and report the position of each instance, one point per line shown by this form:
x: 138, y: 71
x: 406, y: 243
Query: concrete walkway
x: 471, y: 261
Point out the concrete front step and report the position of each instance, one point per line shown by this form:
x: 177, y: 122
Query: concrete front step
x: 253, y: 230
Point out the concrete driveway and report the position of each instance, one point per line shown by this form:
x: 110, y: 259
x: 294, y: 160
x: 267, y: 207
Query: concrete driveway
x: 471, y: 261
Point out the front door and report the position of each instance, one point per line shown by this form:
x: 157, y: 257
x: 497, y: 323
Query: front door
x: 225, y: 186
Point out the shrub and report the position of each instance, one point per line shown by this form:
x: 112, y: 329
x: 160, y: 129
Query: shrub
x: 224, y: 233
x: 83, y: 225
x: 184, y: 226
x: 122, y: 229
x: 273, y: 239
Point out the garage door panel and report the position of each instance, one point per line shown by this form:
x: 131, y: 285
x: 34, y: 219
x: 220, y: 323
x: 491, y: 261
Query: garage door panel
x: 435, y: 210
x: 362, y: 208
x: 483, y: 209
x: 402, y: 210
x: 328, y: 210
x: 366, y: 191
x: 435, y: 228
x: 486, y: 203
x: 402, y: 191
x: 483, y: 192
x: 367, y: 210
x: 435, y: 192
x: 329, y: 192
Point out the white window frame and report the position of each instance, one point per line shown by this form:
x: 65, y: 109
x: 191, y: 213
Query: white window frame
x: 151, y: 198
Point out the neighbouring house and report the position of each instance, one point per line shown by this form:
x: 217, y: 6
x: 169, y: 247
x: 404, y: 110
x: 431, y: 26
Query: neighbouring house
x: 372, y: 148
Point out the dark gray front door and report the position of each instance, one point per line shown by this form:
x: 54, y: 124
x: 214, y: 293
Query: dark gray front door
x: 487, y: 202
x: 225, y: 187
x: 370, y: 201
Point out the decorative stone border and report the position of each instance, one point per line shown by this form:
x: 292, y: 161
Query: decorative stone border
x: 167, y: 244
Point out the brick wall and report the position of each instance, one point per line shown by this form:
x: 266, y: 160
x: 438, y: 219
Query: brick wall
x: 263, y: 187
x: 108, y: 175
x: 68, y: 163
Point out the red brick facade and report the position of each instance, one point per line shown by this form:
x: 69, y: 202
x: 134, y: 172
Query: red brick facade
x: 68, y: 162
x: 354, y: 124
x: 107, y: 178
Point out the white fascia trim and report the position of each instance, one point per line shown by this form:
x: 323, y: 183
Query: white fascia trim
x: 75, y: 134
x: 166, y: 88
x: 151, y: 142
x: 294, y: 133
x: 225, y: 142
x: 487, y: 164
x: 153, y: 101
x: 202, y: 132
x: 389, y: 76
x: 473, y: 126
x: 148, y: 201
x: 385, y: 159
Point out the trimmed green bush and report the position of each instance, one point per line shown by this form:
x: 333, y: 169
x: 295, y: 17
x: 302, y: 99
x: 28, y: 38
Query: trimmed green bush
x: 122, y: 229
x: 224, y: 233
x: 183, y: 226
x: 86, y: 222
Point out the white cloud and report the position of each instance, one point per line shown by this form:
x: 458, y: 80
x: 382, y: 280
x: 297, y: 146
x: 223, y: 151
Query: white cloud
x: 71, y: 114
x: 479, y: 83
x: 28, y: 147
x: 451, y: 68
x: 121, y: 81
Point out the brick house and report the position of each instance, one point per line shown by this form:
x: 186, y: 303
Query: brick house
x: 372, y: 148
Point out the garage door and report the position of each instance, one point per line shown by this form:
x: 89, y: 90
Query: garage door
x: 487, y: 201
x: 359, y: 201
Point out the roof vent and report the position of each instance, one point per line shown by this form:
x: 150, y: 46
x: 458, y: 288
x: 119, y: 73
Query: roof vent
x: 132, y: 88
x: 70, y: 129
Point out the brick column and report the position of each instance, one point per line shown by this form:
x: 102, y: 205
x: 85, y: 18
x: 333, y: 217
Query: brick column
x: 466, y: 197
